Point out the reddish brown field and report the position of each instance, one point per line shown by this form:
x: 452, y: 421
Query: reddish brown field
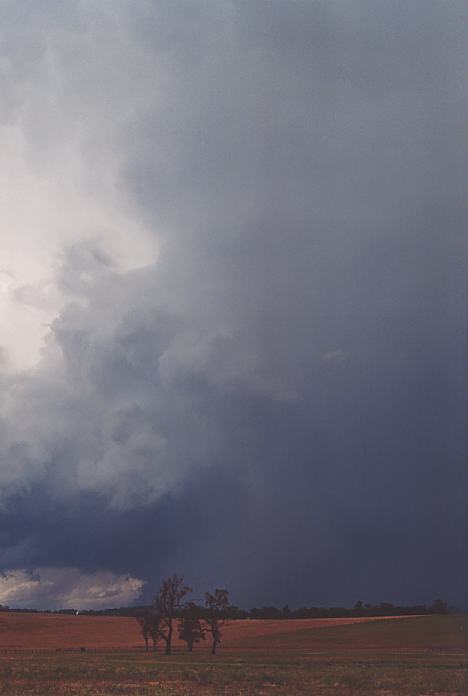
x: 407, y: 656
x: 53, y: 631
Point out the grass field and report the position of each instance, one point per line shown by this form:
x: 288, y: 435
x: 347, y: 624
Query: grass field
x: 409, y: 656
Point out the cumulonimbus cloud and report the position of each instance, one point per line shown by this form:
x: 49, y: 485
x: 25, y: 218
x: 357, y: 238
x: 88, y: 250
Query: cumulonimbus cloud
x: 231, y: 272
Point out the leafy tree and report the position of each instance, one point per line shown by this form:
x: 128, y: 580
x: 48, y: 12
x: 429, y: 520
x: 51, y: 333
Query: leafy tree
x: 359, y: 608
x: 168, y: 603
x: 150, y: 626
x: 155, y: 628
x: 217, y: 605
x: 190, y: 626
x: 439, y: 607
x: 144, y: 628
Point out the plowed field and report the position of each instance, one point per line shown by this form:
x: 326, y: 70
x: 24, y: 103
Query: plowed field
x: 53, y: 631
x: 400, y: 657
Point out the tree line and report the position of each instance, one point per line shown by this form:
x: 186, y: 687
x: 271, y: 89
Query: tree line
x: 172, y: 611
x: 232, y: 612
x: 359, y: 609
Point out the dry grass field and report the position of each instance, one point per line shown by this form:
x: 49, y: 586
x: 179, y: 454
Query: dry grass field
x: 409, y: 656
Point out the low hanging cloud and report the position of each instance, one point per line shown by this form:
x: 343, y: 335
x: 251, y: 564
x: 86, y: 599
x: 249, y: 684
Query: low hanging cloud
x: 62, y: 588
x: 123, y: 403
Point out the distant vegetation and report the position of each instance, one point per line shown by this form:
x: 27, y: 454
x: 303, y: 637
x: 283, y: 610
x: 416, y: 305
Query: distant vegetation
x: 438, y: 606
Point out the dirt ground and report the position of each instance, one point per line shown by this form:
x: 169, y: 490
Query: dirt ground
x: 412, y: 656
x: 52, y: 631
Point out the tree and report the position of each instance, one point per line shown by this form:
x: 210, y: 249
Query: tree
x: 143, y: 624
x: 359, y: 608
x: 167, y: 603
x: 190, y: 626
x: 439, y: 607
x: 217, y: 605
x: 155, y: 629
x: 150, y: 627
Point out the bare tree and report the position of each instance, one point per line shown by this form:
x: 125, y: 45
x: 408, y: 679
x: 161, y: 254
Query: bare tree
x: 217, y: 605
x: 190, y: 626
x: 167, y: 603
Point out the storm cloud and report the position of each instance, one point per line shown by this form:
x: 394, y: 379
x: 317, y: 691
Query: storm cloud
x: 232, y: 309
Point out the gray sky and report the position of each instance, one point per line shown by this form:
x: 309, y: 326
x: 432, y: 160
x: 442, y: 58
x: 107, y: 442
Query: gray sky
x: 231, y: 300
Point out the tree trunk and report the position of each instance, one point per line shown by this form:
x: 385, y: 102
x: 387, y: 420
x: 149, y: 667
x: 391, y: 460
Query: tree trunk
x: 146, y: 643
x: 169, y: 638
x: 213, y: 647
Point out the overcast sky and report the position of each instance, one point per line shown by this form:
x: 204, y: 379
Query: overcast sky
x: 231, y: 300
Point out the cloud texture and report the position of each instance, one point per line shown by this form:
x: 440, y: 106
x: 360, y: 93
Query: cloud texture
x: 67, y: 588
x: 232, y: 309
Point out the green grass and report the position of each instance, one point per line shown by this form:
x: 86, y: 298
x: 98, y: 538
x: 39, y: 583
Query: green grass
x: 408, y: 657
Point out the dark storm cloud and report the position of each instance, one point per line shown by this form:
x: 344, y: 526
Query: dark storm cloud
x: 275, y: 404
